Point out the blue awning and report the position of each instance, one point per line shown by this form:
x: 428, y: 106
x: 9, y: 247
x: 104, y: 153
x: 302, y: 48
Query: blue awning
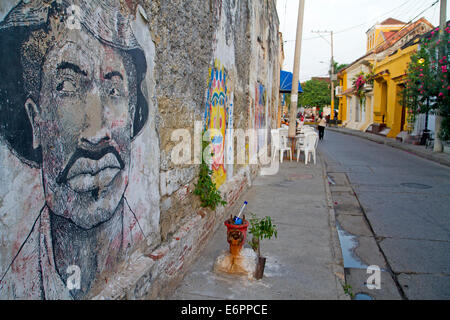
x: 286, y: 82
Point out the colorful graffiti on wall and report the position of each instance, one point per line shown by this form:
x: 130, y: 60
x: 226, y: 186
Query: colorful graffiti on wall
x: 216, y: 120
x: 72, y: 106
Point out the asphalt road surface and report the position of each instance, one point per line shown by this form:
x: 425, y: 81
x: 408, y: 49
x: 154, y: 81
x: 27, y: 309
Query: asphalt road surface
x: 406, y: 200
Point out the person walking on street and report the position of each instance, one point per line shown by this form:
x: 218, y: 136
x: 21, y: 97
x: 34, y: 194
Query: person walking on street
x: 321, y: 126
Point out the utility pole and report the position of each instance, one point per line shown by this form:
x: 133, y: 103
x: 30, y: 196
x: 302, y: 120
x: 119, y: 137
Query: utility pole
x: 295, y: 74
x: 331, y: 70
x: 438, y: 147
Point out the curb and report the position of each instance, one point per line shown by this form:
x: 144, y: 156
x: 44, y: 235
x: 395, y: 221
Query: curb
x: 395, y: 144
x: 338, y: 265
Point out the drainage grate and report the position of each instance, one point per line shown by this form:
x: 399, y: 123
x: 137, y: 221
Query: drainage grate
x: 415, y: 185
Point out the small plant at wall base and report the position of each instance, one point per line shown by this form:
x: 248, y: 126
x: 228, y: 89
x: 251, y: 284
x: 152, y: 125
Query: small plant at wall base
x: 348, y: 290
x: 261, y: 228
x: 205, y: 188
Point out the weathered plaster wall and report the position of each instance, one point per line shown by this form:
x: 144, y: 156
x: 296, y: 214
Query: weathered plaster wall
x: 87, y: 175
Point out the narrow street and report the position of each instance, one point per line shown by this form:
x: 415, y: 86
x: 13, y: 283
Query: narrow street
x: 402, y: 222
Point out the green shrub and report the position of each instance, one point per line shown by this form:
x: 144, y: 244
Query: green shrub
x: 261, y: 228
x: 205, y: 188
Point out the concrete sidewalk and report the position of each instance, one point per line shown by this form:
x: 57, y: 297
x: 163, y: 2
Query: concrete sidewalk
x: 304, y: 262
x: 419, y: 150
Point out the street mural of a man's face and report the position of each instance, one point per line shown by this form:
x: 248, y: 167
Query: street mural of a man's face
x: 73, y: 102
x: 84, y: 104
x: 83, y: 122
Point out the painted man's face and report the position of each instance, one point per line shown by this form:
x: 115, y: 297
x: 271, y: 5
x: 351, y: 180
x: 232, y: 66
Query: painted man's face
x: 84, y: 124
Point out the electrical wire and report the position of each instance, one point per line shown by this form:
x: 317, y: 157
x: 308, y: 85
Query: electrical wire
x: 364, y: 23
x: 388, y: 13
x: 434, y: 12
x: 421, y: 6
x: 410, y: 10
x: 405, y: 26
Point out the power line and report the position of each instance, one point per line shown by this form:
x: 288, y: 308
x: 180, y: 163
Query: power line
x: 364, y: 23
x: 390, y: 11
x: 412, y: 7
x: 434, y: 12
x: 421, y: 5
x: 405, y: 26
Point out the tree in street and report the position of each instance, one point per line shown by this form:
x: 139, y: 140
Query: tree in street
x: 316, y: 93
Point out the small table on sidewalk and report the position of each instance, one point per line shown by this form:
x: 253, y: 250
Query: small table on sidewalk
x: 298, y: 137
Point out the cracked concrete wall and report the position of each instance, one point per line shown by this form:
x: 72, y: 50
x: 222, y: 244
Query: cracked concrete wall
x: 128, y: 206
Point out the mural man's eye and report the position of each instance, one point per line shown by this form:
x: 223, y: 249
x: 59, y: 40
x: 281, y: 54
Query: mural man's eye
x: 66, y: 86
x: 114, y: 92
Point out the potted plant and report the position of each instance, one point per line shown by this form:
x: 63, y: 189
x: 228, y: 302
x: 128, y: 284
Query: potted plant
x: 362, y: 83
x: 369, y: 81
x: 261, y: 228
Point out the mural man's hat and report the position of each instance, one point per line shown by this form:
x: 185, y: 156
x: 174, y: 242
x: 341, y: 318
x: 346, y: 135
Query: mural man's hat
x: 102, y: 18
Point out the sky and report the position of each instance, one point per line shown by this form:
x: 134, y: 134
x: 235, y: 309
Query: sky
x: 349, y: 20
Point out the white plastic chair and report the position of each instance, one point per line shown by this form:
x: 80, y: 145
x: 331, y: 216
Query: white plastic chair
x: 300, y: 138
x: 283, y: 130
x: 284, y: 145
x: 309, y: 146
x: 306, y: 129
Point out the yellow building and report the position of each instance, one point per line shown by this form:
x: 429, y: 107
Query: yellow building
x: 388, y: 85
x: 340, y: 89
x: 351, y: 113
x: 390, y: 65
x: 389, y: 47
x: 381, y: 33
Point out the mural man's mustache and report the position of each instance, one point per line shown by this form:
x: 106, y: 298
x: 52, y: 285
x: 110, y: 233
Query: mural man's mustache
x: 81, y: 153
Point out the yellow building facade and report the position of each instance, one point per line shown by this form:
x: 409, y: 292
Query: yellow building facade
x: 342, y: 110
x: 390, y: 74
x: 382, y: 33
x: 390, y: 45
